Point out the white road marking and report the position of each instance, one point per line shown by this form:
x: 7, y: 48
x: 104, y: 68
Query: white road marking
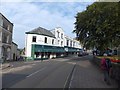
x: 36, y: 72
x: 66, y: 80
x: 72, y: 79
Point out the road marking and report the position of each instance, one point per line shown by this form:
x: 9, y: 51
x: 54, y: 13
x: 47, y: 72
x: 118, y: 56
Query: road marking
x: 36, y: 72
x: 68, y: 80
x: 72, y: 78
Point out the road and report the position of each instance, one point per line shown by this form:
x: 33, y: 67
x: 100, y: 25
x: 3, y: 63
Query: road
x: 69, y: 72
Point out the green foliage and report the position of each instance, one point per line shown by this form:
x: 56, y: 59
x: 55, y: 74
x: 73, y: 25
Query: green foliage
x: 99, y: 26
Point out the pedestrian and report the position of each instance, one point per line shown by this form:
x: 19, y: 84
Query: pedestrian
x: 106, y: 67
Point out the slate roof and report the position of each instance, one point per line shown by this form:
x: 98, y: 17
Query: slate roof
x: 41, y: 31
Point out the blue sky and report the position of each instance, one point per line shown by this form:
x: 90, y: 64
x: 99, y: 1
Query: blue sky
x: 29, y: 15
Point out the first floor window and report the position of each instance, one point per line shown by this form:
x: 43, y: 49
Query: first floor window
x: 58, y: 42
x: 61, y: 43
x: 74, y: 44
x: 67, y: 42
x: 45, y: 39
x: 34, y: 39
x: 52, y: 41
x: 71, y: 43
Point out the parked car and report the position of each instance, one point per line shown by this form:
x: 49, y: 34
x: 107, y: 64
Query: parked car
x: 82, y: 53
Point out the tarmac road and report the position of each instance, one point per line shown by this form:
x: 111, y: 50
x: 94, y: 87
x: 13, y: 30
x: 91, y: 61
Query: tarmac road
x: 69, y: 72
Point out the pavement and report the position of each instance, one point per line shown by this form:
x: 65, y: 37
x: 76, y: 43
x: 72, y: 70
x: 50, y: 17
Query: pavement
x: 87, y: 75
x: 11, y: 64
x: 5, y: 65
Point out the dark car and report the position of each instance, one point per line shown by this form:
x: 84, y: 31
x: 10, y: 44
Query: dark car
x: 81, y: 53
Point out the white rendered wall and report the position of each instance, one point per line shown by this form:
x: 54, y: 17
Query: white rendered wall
x: 28, y: 45
x: 40, y: 40
x: 76, y: 45
x: 60, y: 30
x: 70, y: 39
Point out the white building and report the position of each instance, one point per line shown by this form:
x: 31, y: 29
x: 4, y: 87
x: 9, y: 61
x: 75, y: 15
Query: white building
x: 43, y: 44
x: 39, y: 43
x: 6, y: 29
x: 71, y: 45
x: 59, y: 35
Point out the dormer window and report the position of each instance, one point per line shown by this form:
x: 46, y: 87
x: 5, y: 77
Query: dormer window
x: 62, y: 35
x: 58, y: 33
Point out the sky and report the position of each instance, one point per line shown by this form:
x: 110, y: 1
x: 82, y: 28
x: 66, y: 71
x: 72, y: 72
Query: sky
x: 30, y: 14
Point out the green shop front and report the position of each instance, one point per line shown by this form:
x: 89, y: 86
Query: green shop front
x: 71, y: 50
x: 42, y: 52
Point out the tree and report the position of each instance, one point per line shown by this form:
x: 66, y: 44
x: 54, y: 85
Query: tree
x: 98, y: 26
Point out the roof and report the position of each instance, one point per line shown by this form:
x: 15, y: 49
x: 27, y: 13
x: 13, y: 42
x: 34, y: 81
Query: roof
x: 41, y: 31
x: 14, y: 43
x: 5, y: 18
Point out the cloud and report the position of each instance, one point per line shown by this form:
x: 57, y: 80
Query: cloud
x: 29, y: 15
x: 51, y: 0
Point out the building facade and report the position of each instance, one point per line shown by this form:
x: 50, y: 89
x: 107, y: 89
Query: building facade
x: 71, y: 46
x: 6, y: 29
x: 14, y: 51
x: 43, y: 44
x: 18, y: 54
x: 39, y: 43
